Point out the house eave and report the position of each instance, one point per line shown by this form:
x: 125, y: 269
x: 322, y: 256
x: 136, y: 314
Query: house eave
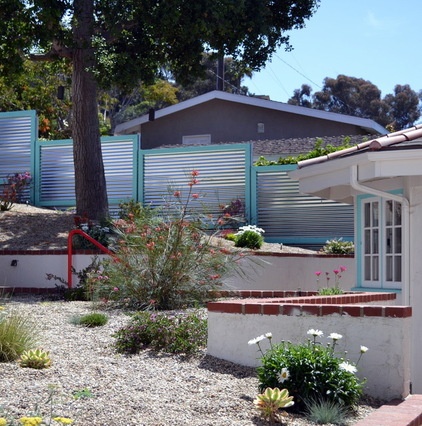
x: 325, y: 179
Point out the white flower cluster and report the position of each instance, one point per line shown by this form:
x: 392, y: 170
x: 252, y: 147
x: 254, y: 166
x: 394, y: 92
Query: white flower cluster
x: 251, y: 228
x: 258, y: 339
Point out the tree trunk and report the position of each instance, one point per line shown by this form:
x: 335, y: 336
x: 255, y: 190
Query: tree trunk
x: 90, y: 184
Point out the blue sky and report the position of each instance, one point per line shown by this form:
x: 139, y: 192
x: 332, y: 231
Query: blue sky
x: 377, y: 40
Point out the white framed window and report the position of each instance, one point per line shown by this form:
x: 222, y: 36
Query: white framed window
x: 196, y: 140
x: 381, y: 249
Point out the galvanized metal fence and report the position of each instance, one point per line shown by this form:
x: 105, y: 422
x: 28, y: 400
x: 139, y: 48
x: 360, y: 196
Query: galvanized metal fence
x: 269, y: 198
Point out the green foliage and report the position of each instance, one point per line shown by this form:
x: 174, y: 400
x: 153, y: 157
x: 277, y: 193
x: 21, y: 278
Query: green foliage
x: 99, y: 232
x: 165, y: 258
x: 37, y: 89
x: 270, y: 401
x: 83, y: 290
x: 318, y: 151
x: 17, y: 334
x: 167, y: 331
x: 230, y: 237
x: 130, y: 210
x: 360, y: 98
x: 82, y: 393
x: 326, y: 412
x: 249, y: 239
x: 35, y: 358
x: 94, y: 319
x: 338, y: 246
x: 310, y: 371
x: 330, y: 291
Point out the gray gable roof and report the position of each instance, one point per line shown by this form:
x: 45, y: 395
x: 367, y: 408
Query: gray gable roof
x: 370, y: 126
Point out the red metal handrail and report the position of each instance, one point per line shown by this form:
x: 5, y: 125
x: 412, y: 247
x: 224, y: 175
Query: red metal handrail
x: 69, y: 251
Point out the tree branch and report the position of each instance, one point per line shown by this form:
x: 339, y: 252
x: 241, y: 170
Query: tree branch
x: 57, y: 51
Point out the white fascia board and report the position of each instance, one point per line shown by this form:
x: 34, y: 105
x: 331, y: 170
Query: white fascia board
x: 369, y: 125
x: 371, y: 166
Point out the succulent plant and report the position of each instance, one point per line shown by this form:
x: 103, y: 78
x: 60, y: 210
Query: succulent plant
x: 271, y: 401
x: 35, y: 358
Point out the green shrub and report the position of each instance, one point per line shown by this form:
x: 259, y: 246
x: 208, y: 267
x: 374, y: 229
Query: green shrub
x: 310, y: 371
x: 249, y: 239
x: 326, y: 412
x: 338, y: 246
x: 94, y: 319
x: 17, y: 334
x: 167, y: 331
x: 330, y: 291
x: 165, y: 258
x: 249, y: 236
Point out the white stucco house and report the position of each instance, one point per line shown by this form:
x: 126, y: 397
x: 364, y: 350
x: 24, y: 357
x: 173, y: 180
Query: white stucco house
x: 382, y: 178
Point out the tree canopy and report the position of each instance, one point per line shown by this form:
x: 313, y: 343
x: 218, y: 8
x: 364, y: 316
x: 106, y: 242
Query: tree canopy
x: 119, y: 42
x: 360, y: 98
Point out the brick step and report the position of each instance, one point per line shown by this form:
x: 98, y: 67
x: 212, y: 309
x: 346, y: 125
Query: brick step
x: 396, y: 413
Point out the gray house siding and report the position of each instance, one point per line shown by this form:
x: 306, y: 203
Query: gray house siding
x: 229, y: 122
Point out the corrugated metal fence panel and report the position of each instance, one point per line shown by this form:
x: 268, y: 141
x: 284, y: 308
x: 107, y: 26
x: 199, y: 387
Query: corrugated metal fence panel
x: 290, y: 217
x: 17, y: 137
x: 57, y: 177
x: 223, y: 176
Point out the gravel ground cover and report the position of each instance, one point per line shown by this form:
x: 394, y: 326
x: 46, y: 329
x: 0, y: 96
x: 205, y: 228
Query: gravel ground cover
x: 144, y: 389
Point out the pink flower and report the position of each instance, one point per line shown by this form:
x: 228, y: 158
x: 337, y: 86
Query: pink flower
x: 343, y: 268
x: 195, y: 173
x: 336, y: 271
x: 116, y: 289
x: 176, y: 193
x: 195, y: 196
x: 318, y: 273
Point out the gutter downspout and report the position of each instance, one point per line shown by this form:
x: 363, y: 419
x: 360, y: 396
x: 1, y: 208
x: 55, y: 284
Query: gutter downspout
x: 355, y: 184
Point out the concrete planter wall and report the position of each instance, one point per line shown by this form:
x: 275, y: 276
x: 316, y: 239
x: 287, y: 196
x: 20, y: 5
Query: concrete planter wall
x: 290, y: 271
x: 375, y: 323
x: 31, y: 267
x: 269, y: 272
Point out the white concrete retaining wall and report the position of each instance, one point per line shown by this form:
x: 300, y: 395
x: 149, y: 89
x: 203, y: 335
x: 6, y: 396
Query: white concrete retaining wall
x: 386, y: 365
x: 292, y: 272
x: 31, y: 270
x: 266, y: 273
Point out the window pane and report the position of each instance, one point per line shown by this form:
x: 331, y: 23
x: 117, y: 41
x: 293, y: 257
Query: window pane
x: 367, y: 219
x: 397, y: 216
x: 397, y: 240
x: 397, y: 268
x: 375, y: 213
x: 367, y: 241
x: 375, y: 247
x: 389, y: 240
x: 375, y: 266
x: 367, y: 271
x: 389, y: 268
x: 388, y: 213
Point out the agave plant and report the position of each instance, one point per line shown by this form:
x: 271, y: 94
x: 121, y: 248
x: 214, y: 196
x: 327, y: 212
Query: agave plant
x: 271, y: 401
x: 35, y: 358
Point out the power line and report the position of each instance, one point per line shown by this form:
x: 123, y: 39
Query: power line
x: 296, y: 70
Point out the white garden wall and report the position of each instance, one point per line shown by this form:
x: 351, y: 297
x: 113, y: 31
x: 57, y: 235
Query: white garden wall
x: 291, y: 272
x: 386, y: 365
x: 30, y: 270
x: 265, y: 273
